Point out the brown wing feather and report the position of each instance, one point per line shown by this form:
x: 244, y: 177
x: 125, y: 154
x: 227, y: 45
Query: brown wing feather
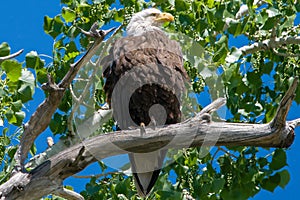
x: 157, y: 58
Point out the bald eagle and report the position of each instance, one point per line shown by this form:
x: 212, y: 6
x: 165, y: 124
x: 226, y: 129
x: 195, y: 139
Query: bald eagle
x: 144, y: 83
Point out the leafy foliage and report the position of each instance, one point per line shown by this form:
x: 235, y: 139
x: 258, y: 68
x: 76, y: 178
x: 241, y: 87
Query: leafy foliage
x: 253, y: 85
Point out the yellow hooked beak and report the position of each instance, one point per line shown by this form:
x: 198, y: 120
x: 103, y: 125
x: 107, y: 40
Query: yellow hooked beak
x: 164, y: 17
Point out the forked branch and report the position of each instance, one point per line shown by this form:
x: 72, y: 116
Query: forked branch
x: 41, y: 118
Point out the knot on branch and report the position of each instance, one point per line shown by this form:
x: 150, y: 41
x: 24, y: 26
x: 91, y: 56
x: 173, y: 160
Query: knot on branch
x: 50, y: 86
x: 289, y: 138
x: 94, y: 32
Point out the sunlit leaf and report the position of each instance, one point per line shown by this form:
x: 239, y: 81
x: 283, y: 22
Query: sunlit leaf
x: 13, y: 69
x: 68, y: 14
x: 33, y: 60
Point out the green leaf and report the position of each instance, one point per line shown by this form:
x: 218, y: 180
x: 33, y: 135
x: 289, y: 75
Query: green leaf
x: 53, y: 26
x: 67, y: 2
x: 33, y: 150
x: 3, y: 92
x: 68, y: 14
x: 33, y: 60
x: 25, y: 93
x: 221, y: 54
x: 13, y: 69
x: 269, y: 24
x: 71, y: 51
x: 11, y: 118
x: 17, y: 105
x: 42, y: 75
x: 284, y: 178
x: 262, y: 162
x: 186, y: 18
x: 58, y: 123
x: 278, y: 160
x: 267, y: 68
x: 26, y: 90
x: 168, y: 195
x: 28, y: 78
x: 4, y: 49
x: 271, y: 183
x: 218, y: 184
x: 272, y: 12
x: 254, y: 78
x: 20, y: 117
x: 181, y: 5
x: 121, y: 187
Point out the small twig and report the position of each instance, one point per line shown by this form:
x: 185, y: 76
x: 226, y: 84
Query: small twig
x: 279, y: 120
x: 227, y: 152
x: 215, y: 105
x: 68, y: 194
x: 214, y: 156
x: 203, y: 114
x: 93, y: 32
x: 224, y: 150
x: 11, y: 55
x: 97, y: 175
x: 294, y: 123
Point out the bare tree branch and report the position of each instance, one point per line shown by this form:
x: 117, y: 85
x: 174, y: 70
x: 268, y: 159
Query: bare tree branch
x: 269, y: 44
x: 190, y: 133
x: 41, y: 118
x: 11, y: 55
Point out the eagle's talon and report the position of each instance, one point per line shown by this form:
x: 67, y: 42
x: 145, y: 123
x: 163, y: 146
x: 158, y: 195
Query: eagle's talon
x: 142, y: 129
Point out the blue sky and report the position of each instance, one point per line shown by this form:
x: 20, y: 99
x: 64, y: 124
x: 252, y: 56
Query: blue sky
x: 22, y: 28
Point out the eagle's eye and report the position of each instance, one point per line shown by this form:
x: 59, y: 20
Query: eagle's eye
x: 154, y: 14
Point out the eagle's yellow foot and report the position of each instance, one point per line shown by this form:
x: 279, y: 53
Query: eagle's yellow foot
x: 142, y: 129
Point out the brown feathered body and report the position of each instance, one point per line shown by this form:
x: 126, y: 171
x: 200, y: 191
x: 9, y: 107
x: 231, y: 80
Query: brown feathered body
x: 145, y: 80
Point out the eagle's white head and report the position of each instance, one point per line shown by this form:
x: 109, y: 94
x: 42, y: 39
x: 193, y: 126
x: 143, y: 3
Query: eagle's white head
x: 147, y: 20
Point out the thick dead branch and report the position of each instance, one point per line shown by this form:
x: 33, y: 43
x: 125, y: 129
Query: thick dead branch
x: 41, y: 118
x: 11, y: 55
x: 74, y: 159
x: 191, y: 133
